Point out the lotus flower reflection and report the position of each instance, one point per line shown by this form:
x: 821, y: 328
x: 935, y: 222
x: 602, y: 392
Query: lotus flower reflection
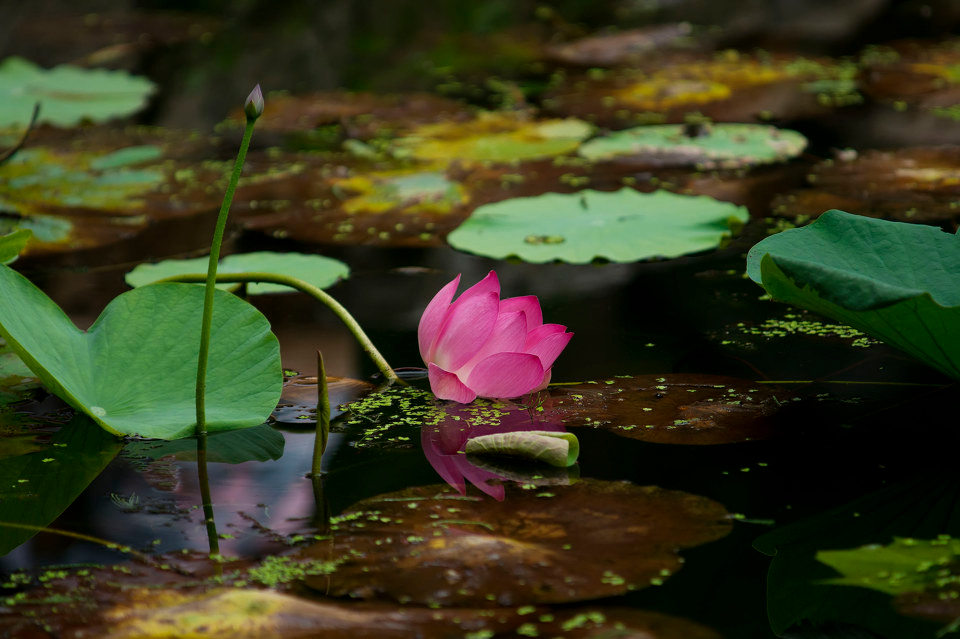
x: 482, y: 346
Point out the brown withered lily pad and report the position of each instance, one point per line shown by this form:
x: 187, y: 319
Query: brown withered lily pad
x: 104, y: 186
x: 913, y: 73
x: 208, y: 610
x: 623, y: 47
x: 325, y: 120
x: 727, y: 87
x: 432, y: 545
x: 298, y: 402
x: 908, y: 185
x: 670, y: 409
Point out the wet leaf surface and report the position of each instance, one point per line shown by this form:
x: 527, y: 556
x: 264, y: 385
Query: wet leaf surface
x: 670, y: 409
x: 726, y: 87
x: 908, y: 185
x: 69, y: 94
x: 148, y: 390
x: 623, y: 226
x: 593, y: 539
x: 703, y: 147
x: 317, y: 270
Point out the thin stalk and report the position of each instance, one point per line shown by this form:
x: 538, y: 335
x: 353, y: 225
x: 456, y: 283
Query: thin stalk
x: 93, y: 540
x: 211, y: 277
x: 318, y: 294
x: 323, y: 416
x: 9, y: 153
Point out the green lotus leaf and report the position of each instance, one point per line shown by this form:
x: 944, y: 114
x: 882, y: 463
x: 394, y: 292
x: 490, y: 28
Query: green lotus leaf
x: 892, y: 280
x: 68, y: 95
x: 314, y: 269
x: 12, y: 243
x: 717, y: 146
x: 549, y: 447
x: 134, y: 370
x: 620, y: 226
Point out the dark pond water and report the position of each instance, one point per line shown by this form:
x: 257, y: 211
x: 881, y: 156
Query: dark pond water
x: 858, y: 447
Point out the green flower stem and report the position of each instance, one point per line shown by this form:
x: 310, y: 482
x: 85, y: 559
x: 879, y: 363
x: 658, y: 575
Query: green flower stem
x: 311, y: 290
x: 206, y: 500
x: 211, y: 276
x: 323, y: 416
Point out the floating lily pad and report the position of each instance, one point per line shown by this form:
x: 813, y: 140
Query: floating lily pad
x: 408, y: 191
x: 493, y: 137
x: 104, y: 605
x: 325, y: 120
x: 908, y: 185
x: 891, y: 280
x: 623, y: 226
x: 669, y: 409
x: 11, y: 244
x: 915, y: 73
x: 260, y: 443
x: 727, y: 87
x: 706, y: 146
x: 144, y: 348
x: 623, y: 47
x: 68, y: 95
x: 318, y: 270
x: 36, y: 487
x: 431, y: 545
x: 298, y: 402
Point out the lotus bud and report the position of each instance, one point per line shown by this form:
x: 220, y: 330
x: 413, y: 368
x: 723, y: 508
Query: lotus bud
x: 253, y: 107
x: 482, y: 346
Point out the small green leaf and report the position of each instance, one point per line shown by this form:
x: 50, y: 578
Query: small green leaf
x: 314, y: 269
x: 68, y: 95
x: 134, y: 370
x: 12, y: 243
x: 551, y: 447
x: 622, y: 226
x: 892, y: 280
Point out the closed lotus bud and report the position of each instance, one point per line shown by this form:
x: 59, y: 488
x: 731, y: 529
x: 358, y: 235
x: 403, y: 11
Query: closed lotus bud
x: 253, y: 107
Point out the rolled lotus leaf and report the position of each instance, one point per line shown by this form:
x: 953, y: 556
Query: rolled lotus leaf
x: 524, y: 471
x: 556, y: 449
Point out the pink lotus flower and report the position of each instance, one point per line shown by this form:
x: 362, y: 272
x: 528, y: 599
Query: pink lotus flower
x: 482, y: 346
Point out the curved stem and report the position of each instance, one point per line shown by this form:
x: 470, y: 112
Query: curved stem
x: 9, y: 153
x: 323, y: 416
x: 73, y: 535
x: 211, y: 276
x: 313, y: 291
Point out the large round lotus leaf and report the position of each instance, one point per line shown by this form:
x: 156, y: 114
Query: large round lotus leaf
x: 729, y: 87
x: 143, y: 349
x: 705, y: 147
x: 260, y: 443
x: 494, y: 137
x: 68, y: 95
x: 917, y: 184
x: 314, y: 269
x: 669, y: 409
x: 623, y: 226
x: 431, y: 545
x: 892, y: 280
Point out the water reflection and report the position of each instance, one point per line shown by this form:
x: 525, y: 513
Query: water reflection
x: 444, y: 445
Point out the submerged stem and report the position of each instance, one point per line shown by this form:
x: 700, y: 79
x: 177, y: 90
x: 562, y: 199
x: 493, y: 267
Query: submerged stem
x: 323, y: 416
x: 211, y: 277
x: 313, y: 291
x: 93, y: 540
x: 206, y: 499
